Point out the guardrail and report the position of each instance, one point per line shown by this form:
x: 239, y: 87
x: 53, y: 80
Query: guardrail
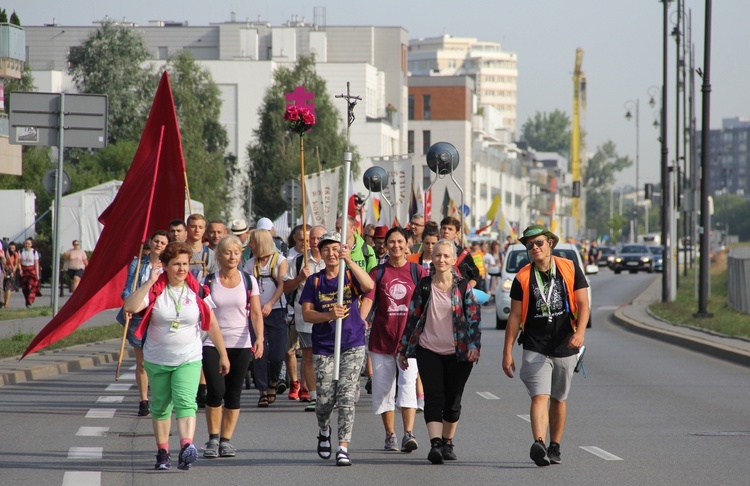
x: 738, y: 277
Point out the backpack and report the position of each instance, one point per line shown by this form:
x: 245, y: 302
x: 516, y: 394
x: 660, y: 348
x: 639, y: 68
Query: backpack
x: 293, y: 294
x: 379, y: 272
x: 203, y: 261
x: 461, y: 257
x: 272, y: 268
x: 208, y: 285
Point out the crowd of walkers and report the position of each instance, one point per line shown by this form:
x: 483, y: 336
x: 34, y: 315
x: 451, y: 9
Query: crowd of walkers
x: 212, y: 308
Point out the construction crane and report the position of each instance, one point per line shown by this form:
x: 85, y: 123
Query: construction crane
x: 576, y: 142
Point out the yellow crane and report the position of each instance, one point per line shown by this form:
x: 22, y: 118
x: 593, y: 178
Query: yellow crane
x: 576, y: 143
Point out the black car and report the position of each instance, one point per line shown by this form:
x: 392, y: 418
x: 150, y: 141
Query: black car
x: 658, y: 252
x: 634, y: 258
x: 604, y: 253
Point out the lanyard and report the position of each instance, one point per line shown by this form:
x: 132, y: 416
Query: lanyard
x: 546, y: 298
x: 177, y: 300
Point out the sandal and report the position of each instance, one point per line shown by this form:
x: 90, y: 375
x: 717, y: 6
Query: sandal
x: 324, y: 451
x: 342, y: 458
x: 271, y: 397
x: 263, y: 401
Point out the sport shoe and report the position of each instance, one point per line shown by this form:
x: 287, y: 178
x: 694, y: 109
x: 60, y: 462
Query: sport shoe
x: 227, y: 450
x: 342, y: 458
x: 435, y: 455
x: 390, y: 442
x: 281, y: 387
x: 311, y: 406
x: 143, y: 408
x: 368, y: 386
x: 409, y: 443
x: 188, y: 455
x: 553, y: 453
x: 447, y: 451
x: 294, y: 391
x: 211, y: 449
x: 162, y: 460
x: 538, y: 453
x: 304, y: 394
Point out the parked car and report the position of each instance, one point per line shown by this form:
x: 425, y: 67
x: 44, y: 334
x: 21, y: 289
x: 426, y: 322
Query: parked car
x: 658, y: 252
x: 515, y: 259
x: 634, y: 258
x: 604, y: 253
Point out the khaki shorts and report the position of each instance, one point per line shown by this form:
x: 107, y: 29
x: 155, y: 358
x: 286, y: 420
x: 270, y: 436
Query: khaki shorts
x: 292, y: 343
x: 546, y: 375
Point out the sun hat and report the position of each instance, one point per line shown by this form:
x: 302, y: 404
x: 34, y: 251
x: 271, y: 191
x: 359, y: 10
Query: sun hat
x: 330, y: 237
x: 536, y: 230
x: 239, y: 227
x: 264, y: 224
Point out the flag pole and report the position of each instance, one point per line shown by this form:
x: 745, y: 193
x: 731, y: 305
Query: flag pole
x: 302, y: 185
x: 187, y: 192
x: 140, y: 251
x: 351, y: 102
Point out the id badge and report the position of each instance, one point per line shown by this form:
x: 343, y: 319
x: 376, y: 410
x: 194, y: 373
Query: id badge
x: 174, y: 326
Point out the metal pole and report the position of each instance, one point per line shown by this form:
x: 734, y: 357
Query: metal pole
x: 666, y: 193
x: 637, y: 164
x: 705, y: 171
x: 678, y: 179
x: 58, y: 196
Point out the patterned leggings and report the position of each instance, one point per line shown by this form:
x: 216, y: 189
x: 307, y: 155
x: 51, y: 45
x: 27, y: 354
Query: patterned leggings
x: 341, y: 392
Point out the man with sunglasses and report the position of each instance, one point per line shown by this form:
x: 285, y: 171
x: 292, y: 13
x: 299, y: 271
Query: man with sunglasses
x: 549, y: 306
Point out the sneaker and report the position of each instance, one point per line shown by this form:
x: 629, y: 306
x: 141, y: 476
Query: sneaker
x: 211, y: 449
x: 435, y: 455
x: 553, y: 453
x: 368, y: 386
x: 310, y: 406
x: 342, y: 458
x: 162, y: 460
x: 447, y: 451
x: 538, y: 453
x: 409, y: 443
x: 324, y: 445
x: 281, y: 387
x: 188, y: 455
x: 294, y: 391
x: 390, y: 442
x: 143, y: 408
x: 227, y: 450
x: 304, y: 394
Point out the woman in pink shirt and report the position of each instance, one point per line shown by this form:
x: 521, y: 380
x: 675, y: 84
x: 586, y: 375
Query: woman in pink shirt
x: 75, y: 262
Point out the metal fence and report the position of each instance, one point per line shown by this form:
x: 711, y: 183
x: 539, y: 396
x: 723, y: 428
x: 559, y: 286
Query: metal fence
x: 738, y: 278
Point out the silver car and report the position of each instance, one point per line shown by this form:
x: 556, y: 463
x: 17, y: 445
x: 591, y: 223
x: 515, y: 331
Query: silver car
x: 515, y: 259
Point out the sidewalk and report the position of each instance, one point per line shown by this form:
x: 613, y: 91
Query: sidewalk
x: 637, y: 318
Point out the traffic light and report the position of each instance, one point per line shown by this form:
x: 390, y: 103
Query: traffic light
x: 576, y: 188
x: 648, y: 190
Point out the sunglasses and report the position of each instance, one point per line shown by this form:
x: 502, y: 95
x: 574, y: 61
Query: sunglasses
x: 540, y: 243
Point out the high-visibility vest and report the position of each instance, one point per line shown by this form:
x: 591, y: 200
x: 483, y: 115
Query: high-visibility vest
x: 479, y: 262
x: 567, y: 271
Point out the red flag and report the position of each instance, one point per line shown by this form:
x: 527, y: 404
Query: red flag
x: 147, y: 201
x: 428, y: 205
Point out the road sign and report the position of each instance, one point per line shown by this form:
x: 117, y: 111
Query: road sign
x: 35, y: 119
x: 49, y: 182
x: 291, y: 192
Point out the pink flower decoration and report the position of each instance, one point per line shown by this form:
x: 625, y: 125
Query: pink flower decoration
x: 301, y: 120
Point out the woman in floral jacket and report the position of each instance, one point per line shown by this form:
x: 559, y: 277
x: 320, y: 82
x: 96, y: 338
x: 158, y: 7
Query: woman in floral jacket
x: 444, y: 333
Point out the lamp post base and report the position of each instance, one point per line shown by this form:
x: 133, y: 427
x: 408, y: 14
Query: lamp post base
x: 703, y: 315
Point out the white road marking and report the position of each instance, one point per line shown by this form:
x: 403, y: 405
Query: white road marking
x: 132, y: 367
x: 85, y: 452
x: 488, y: 396
x: 127, y: 376
x: 601, y: 453
x: 606, y: 307
x: 525, y: 417
x: 92, y: 431
x: 119, y: 387
x: 110, y: 399
x: 82, y: 478
x: 101, y: 413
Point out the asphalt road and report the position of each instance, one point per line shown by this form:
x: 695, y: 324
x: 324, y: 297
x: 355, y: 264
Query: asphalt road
x: 647, y: 413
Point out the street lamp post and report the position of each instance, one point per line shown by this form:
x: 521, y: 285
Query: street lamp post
x: 628, y: 115
x: 666, y: 188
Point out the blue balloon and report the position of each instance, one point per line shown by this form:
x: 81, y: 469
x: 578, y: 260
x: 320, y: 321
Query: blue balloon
x: 481, y: 296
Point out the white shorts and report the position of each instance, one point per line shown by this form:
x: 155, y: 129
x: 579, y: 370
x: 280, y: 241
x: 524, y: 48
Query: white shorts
x: 384, y: 371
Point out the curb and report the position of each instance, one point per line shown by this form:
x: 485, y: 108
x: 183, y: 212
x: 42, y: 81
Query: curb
x: 704, y: 346
x: 60, y: 361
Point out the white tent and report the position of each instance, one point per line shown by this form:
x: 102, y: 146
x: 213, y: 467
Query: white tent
x: 80, y: 214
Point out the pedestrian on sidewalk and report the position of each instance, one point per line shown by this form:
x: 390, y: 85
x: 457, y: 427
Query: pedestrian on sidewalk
x: 30, y: 271
x: 76, y: 261
x: 174, y: 315
x: 550, y: 307
x: 12, y: 269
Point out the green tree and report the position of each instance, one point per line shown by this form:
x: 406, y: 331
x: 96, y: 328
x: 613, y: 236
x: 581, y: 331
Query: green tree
x: 274, y: 155
x: 548, y: 133
x: 111, y: 61
x: 204, y: 139
x: 26, y: 83
x: 601, y: 171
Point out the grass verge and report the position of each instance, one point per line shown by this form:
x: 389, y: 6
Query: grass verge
x: 8, y: 314
x: 725, y: 320
x: 15, y: 345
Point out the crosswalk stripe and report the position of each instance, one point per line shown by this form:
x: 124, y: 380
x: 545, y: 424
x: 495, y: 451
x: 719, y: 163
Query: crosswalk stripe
x: 525, y: 417
x: 110, y: 399
x: 82, y: 478
x: 119, y: 387
x: 601, y: 453
x: 101, y: 413
x: 85, y: 452
x: 92, y: 431
x: 127, y: 377
x: 488, y: 396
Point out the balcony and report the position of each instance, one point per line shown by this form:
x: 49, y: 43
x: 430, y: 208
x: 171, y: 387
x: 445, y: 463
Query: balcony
x: 12, y: 51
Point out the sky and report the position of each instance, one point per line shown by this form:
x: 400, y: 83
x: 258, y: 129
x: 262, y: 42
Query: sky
x: 621, y: 40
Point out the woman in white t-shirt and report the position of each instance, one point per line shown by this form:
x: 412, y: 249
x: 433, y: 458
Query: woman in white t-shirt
x: 29, y: 260
x: 235, y: 295
x: 268, y: 266
x: 173, y: 317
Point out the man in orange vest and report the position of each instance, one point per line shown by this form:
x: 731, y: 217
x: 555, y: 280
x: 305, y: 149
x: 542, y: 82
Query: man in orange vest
x: 549, y: 305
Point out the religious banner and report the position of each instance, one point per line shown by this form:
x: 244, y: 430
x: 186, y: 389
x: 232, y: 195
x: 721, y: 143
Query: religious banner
x: 322, y: 190
x: 428, y: 205
x: 398, y: 191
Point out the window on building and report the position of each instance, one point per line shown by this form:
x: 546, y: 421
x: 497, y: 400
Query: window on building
x: 426, y: 175
x: 427, y: 107
x: 163, y: 52
x: 519, y: 200
x: 411, y: 107
x: 426, y: 141
x: 508, y: 198
x: 410, y: 142
x: 452, y: 63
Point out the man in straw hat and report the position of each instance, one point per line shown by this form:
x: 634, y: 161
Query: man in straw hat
x: 549, y: 305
